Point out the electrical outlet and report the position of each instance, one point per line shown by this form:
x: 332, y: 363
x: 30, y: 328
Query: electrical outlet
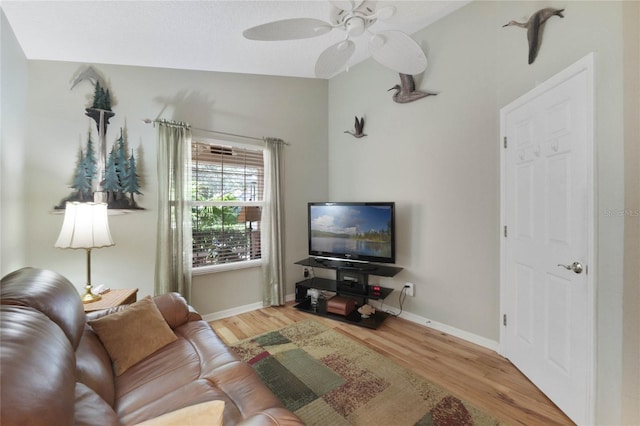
x: 409, y: 289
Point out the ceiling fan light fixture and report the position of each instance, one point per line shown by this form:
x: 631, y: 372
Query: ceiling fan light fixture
x: 355, y: 26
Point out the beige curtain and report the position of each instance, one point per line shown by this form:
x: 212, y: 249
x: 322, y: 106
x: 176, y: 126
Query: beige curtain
x: 174, y: 247
x: 272, y: 234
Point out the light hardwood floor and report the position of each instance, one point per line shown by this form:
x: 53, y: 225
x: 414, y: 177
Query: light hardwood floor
x: 473, y: 373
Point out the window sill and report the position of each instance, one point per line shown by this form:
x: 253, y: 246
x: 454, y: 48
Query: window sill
x: 212, y: 269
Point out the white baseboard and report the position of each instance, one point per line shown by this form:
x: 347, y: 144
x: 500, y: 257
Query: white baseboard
x: 456, y: 332
x: 464, y: 335
x: 232, y: 312
x: 240, y: 310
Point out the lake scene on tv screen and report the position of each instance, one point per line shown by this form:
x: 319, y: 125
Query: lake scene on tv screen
x: 355, y: 230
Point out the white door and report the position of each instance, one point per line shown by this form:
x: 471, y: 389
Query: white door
x: 547, y: 300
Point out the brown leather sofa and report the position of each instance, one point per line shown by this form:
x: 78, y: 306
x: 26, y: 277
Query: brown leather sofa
x: 55, y: 370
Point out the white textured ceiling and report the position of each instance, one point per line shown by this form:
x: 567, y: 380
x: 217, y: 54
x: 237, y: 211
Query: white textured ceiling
x: 194, y: 35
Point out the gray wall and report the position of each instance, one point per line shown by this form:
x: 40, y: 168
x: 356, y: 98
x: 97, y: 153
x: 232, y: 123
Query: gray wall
x: 631, y: 303
x: 438, y: 158
x: 13, y: 119
x: 293, y: 109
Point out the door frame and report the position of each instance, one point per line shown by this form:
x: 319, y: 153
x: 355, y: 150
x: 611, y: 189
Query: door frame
x: 587, y: 65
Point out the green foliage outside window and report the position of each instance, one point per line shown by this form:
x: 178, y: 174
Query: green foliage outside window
x: 214, y: 217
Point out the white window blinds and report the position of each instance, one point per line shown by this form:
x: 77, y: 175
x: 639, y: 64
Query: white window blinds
x: 228, y: 188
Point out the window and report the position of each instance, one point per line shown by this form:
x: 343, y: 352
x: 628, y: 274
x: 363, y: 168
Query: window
x: 227, y: 193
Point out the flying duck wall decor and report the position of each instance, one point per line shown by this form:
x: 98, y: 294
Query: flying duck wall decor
x: 406, y: 91
x: 358, y: 129
x: 535, y: 26
x: 393, y: 49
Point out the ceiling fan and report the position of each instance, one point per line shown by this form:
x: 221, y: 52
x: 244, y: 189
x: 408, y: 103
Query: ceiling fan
x: 393, y: 49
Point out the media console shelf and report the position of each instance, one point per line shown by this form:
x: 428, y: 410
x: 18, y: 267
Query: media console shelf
x: 352, y: 281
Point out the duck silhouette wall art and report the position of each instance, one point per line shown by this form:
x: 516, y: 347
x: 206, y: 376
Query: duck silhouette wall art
x: 406, y: 90
x: 535, y: 26
x: 358, y: 129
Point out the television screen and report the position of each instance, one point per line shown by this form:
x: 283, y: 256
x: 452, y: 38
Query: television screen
x: 353, y: 231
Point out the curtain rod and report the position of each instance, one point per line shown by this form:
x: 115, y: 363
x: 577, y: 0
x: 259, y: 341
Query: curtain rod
x: 150, y: 121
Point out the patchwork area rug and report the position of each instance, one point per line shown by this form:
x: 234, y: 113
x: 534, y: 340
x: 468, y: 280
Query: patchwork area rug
x: 329, y: 379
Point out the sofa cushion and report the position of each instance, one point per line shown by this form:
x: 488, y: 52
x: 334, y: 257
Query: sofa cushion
x: 91, y: 410
x: 133, y: 333
x: 93, y: 366
x: 205, y: 413
x: 195, y: 368
x: 171, y: 378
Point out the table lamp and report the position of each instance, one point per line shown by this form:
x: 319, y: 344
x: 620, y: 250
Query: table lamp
x: 85, y: 226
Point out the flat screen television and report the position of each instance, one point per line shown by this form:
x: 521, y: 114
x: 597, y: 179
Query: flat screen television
x: 362, y: 232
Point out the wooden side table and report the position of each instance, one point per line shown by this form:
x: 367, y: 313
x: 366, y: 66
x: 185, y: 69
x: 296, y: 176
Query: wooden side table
x: 113, y: 298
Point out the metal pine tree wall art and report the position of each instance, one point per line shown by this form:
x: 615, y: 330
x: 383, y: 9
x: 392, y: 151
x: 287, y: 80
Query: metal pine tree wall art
x: 114, y: 178
x: 120, y: 183
x: 85, y: 172
x: 121, y: 177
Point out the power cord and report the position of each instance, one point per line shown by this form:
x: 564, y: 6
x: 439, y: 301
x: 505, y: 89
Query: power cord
x: 401, y: 298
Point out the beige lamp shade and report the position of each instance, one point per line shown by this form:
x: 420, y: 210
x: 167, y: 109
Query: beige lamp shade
x: 249, y: 214
x: 85, y: 226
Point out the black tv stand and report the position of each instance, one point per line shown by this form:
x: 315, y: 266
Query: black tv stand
x: 365, y: 267
x: 352, y: 281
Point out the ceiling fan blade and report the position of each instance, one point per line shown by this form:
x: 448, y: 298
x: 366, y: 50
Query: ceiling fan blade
x: 288, y: 29
x: 347, y: 5
x: 385, y: 12
x: 398, y: 51
x: 334, y: 58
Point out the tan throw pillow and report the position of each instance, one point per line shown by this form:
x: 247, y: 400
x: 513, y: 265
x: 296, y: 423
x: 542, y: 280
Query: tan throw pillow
x: 133, y: 334
x: 206, y: 413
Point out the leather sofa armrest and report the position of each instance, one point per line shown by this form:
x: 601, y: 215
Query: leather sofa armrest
x: 194, y: 315
x: 174, y: 309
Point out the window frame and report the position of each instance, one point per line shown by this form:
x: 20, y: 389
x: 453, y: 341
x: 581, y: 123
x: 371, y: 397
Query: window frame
x: 228, y: 266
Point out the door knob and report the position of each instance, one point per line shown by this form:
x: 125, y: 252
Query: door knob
x: 575, y: 267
